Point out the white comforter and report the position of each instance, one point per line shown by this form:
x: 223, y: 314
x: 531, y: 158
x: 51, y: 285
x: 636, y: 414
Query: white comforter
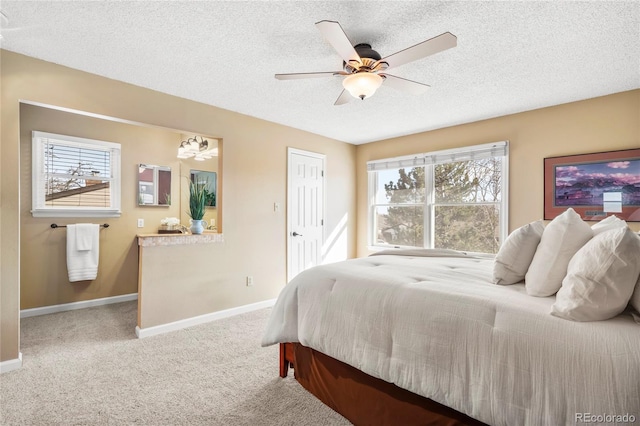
x: 438, y: 327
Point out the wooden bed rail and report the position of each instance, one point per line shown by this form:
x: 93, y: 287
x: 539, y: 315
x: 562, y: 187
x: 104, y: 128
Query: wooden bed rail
x: 363, y: 399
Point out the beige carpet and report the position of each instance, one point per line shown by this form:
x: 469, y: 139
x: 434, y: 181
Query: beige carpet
x: 86, y: 367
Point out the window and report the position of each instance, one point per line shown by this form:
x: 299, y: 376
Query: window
x: 454, y: 199
x: 74, y: 177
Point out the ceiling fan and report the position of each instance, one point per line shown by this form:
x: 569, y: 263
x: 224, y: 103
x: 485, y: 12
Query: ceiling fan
x: 364, y: 68
x: 6, y: 28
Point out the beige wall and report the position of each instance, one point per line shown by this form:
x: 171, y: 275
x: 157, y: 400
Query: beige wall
x: 254, y: 167
x: 602, y: 124
x: 162, y: 266
x: 43, y: 268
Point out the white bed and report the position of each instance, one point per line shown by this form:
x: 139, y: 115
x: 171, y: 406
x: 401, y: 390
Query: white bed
x: 433, y: 323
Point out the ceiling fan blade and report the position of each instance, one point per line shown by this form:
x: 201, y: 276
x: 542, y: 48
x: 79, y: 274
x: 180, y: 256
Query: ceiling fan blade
x: 299, y: 75
x: 344, y: 98
x: 421, y: 50
x: 405, y: 85
x: 335, y: 35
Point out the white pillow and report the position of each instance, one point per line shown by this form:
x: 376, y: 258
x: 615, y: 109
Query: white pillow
x: 607, y: 224
x: 515, y: 254
x: 561, y: 239
x: 601, y: 277
x: 635, y: 297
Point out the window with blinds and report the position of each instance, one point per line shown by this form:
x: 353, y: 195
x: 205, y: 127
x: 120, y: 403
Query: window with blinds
x: 453, y: 199
x: 75, y: 177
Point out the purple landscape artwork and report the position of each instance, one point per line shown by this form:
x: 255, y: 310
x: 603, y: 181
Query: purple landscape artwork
x: 595, y: 185
x: 584, y: 184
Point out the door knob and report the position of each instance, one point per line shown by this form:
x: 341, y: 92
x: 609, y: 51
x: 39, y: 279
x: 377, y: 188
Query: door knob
x: 295, y: 234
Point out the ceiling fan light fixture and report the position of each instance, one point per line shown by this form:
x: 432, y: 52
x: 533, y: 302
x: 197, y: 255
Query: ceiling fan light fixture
x: 362, y: 85
x: 363, y: 66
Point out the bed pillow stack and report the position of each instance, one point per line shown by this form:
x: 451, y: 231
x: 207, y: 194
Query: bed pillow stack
x: 594, y: 271
x: 515, y: 255
x: 560, y: 241
x: 601, y: 277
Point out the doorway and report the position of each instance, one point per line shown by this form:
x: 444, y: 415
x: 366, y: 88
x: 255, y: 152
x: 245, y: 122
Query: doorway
x: 305, y: 210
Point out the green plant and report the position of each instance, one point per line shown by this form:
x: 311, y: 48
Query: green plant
x: 197, y: 199
x: 211, y: 198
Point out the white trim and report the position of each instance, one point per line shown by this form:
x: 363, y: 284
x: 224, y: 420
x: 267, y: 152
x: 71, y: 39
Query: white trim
x: 201, y: 319
x: 33, y: 312
x: 11, y: 364
x: 38, y: 175
x: 504, y: 223
x: 295, y: 151
x: 69, y: 213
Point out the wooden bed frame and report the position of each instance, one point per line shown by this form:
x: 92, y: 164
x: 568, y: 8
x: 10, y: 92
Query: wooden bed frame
x: 360, y: 398
x: 287, y: 358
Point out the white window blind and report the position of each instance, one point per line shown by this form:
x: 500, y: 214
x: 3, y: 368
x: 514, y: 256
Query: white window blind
x: 75, y: 176
x: 476, y: 152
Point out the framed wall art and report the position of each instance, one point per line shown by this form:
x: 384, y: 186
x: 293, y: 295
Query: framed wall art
x: 594, y: 185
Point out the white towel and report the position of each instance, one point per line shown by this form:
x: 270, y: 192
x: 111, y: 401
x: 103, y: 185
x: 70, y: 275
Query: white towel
x: 85, y: 234
x: 82, y: 251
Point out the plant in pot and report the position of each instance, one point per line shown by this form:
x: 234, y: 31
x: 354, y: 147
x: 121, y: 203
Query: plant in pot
x: 197, y: 205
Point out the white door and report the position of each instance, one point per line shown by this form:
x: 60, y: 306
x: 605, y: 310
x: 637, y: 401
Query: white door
x: 305, y: 210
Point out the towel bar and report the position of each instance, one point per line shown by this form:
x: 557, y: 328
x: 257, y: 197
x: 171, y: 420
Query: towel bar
x: 55, y: 225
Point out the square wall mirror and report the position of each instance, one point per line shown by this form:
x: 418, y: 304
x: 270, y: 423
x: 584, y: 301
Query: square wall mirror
x: 154, y: 185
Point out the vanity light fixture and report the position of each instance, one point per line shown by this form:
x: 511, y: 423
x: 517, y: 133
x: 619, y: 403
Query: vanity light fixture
x: 199, y: 150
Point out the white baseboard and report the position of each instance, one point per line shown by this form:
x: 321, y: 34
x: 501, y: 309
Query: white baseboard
x: 12, y: 364
x: 33, y: 312
x: 201, y: 319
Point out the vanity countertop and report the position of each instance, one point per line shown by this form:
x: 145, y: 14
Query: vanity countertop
x: 150, y: 240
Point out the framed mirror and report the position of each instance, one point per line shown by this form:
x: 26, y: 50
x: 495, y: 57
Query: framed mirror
x: 209, y: 179
x: 154, y: 185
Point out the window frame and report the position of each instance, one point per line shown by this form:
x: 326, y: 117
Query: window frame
x: 38, y: 201
x: 429, y: 161
x: 373, y: 185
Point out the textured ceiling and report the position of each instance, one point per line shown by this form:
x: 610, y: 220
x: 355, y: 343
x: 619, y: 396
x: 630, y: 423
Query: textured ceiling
x: 511, y: 56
